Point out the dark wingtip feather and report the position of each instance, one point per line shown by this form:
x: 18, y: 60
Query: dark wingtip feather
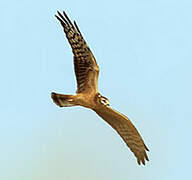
x: 146, y: 148
x: 57, y: 17
x: 61, y: 18
x: 143, y: 161
x: 60, y: 14
x: 65, y: 14
x: 138, y: 161
x: 76, y: 26
x: 146, y: 157
x: 67, y: 19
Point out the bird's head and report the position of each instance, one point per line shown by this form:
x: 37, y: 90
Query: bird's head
x: 102, y: 100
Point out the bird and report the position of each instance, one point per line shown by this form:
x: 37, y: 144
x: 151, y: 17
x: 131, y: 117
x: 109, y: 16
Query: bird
x: 87, y: 94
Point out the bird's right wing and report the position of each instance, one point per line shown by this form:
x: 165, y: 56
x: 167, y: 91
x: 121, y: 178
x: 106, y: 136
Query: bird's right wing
x: 126, y: 130
x: 86, y: 68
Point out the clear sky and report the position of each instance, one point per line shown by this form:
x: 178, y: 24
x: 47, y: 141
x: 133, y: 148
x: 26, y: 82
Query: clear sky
x: 144, y: 50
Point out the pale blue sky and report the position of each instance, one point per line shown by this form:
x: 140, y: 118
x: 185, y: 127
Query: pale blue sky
x: 144, y: 50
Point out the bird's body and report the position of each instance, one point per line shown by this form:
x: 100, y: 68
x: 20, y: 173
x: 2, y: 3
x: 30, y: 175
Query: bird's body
x: 87, y: 95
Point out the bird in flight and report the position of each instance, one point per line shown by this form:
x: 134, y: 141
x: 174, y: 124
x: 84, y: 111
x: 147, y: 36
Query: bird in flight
x: 87, y: 95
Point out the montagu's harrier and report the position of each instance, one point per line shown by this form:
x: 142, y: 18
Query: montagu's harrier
x: 87, y: 95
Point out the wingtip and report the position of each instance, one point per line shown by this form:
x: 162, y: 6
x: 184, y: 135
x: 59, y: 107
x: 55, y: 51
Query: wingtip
x: 76, y: 26
x: 138, y: 161
x: 146, y: 148
x: 58, y: 18
x: 58, y: 13
x: 143, y: 161
x: 66, y: 16
x: 64, y: 13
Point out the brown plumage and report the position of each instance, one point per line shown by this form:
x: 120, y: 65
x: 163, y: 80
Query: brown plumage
x: 84, y: 60
x: 87, y: 71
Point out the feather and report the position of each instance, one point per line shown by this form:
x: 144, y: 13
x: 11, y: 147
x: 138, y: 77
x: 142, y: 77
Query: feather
x: 84, y: 60
x: 126, y: 130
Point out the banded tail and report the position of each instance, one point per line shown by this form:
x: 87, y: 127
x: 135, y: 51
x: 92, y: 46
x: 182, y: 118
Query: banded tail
x: 63, y: 100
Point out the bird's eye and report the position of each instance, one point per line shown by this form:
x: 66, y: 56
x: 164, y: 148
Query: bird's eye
x: 105, y: 102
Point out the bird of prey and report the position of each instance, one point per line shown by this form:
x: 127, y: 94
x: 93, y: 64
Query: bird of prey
x: 87, y: 95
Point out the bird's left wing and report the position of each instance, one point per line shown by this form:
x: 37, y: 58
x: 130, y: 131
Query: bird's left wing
x: 126, y: 130
x: 86, y: 68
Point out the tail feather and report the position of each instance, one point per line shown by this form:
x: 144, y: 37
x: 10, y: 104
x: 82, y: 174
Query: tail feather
x: 63, y: 100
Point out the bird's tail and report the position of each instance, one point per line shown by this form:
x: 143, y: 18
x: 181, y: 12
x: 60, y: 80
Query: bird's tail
x: 63, y: 100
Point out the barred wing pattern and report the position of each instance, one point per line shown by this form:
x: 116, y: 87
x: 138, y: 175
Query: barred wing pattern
x: 84, y: 60
x: 126, y: 130
x: 87, y: 71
